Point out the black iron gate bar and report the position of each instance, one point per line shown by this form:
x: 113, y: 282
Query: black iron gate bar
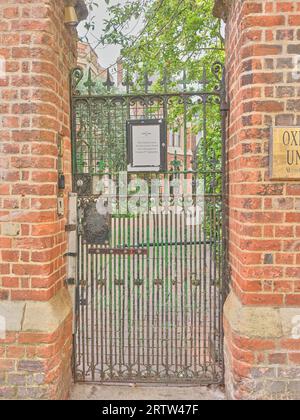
x: 150, y: 286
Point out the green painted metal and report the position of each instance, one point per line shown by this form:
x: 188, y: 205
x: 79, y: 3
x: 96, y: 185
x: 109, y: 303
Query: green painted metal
x: 150, y: 296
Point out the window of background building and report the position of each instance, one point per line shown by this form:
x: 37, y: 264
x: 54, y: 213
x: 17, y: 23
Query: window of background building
x: 175, y: 138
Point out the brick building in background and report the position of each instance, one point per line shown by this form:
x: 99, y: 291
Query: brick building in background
x: 88, y: 59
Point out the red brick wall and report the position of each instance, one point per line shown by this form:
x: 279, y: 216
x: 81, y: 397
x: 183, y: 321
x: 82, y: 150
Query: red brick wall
x: 36, y: 365
x: 39, y: 51
x: 263, y: 39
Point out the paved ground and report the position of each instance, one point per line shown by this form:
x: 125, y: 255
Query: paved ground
x: 145, y: 393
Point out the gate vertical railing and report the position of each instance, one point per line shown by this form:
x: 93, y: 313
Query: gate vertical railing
x: 151, y: 282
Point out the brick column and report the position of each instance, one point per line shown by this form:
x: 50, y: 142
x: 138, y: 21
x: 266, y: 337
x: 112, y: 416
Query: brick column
x: 262, y: 312
x: 37, y: 52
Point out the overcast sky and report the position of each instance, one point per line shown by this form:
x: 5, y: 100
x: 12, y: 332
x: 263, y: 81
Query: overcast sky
x: 109, y: 54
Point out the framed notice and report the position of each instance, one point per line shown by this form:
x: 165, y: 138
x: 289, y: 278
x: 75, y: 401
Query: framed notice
x: 285, y: 153
x: 147, y: 145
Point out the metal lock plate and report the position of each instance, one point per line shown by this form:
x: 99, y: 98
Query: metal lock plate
x: 83, y: 184
x: 60, y: 206
x: 96, y: 226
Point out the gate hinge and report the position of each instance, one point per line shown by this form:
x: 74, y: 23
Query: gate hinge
x: 71, y: 281
x: 70, y: 228
x: 225, y: 106
x: 70, y: 254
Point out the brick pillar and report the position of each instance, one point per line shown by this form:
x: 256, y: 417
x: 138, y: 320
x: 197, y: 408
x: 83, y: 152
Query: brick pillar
x: 262, y: 340
x: 37, y: 52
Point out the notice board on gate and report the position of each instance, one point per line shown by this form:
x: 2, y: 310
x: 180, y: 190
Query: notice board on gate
x: 146, y: 145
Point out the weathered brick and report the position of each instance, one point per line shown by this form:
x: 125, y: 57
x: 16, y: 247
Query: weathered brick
x: 293, y: 49
x: 7, y: 392
x: 34, y: 393
x: 30, y: 366
x: 16, y: 379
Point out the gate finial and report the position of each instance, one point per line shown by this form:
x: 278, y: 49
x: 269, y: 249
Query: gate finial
x: 127, y: 82
x: 89, y: 83
x: 165, y: 80
x: 147, y: 82
x: 183, y: 82
x: 109, y: 83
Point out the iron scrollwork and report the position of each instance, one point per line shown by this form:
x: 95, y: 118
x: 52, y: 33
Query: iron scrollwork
x: 77, y: 76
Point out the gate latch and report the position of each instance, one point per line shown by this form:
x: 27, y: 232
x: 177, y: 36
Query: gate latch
x: 70, y: 228
x: 71, y: 254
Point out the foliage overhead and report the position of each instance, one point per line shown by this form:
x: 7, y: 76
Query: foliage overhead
x: 177, y: 34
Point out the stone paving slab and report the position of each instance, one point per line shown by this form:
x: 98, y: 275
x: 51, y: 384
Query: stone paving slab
x: 144, y: 393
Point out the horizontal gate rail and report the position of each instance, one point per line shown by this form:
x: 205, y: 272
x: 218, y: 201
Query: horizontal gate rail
x: 137, y: 247
x: 118, y: 251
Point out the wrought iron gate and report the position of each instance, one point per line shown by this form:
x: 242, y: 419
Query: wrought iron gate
x: 151, y: 243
